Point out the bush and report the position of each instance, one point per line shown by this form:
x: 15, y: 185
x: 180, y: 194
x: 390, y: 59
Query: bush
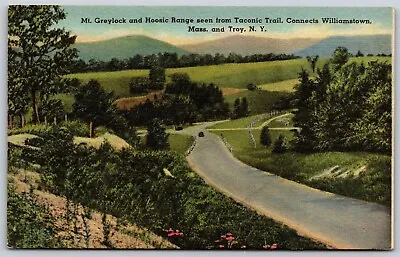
x: 265, y: 136
x: 139, y: 85
x: 77, y: 128
x: 280, y: 145
x: 252, y: 87
x: 29, y: 225
x: 156, y: 137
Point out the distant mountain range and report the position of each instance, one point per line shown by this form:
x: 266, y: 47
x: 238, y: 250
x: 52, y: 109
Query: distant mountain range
x: 373, y: 44
x: 128, y: 46
x: 125, y: 47
x: 247, y: 45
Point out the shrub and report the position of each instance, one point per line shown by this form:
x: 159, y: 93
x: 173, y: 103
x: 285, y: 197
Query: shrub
x: 265, y: 136
x: 252, y: 87
x: 280, y: 145
x: 139, y: 85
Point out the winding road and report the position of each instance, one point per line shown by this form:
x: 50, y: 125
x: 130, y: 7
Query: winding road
x: 340, y: 222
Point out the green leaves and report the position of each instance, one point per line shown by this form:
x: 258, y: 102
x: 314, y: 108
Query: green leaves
x: 39, y: 54
x: 347, y: 108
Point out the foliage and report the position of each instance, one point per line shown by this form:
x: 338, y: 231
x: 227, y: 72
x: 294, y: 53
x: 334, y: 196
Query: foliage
x: 313, y: 61
x: 51, y: 109
x: 132, y: 185
x: 95, y: 105
x: 156, y: 137
x: 240, y: 108
x: 157, y: 76
x: 183, y: 102
x: 265, y: 136
x: 29, y: 224
x: 251, y: 86
x: 373, y: 184
x: 171, y: 60
x: 280, y: 145
x: 359, y: 54
x: 225, y: 76
x: 139, y: 85
x: 36, y: 64
x: 339, y: 57
x: 347, y: 109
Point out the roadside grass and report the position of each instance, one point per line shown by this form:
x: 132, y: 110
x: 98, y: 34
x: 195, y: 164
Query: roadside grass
x: 282, y: 86
x: 237, y: 123
x: 180, y: 143
x: 374, y: 184
x: 286, y: 121
x: 260, y: 101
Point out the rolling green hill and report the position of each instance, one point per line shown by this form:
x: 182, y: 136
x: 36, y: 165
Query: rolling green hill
x: 231, y: 75
x: 124, y: 47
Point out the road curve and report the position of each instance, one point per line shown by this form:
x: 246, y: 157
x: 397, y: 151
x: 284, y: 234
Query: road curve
x: 340, y: 222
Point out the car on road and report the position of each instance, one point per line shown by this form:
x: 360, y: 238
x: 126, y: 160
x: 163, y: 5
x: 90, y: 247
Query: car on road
x: 201, y: 134
x: 178, y: 128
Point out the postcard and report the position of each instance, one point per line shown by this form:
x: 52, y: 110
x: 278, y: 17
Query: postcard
x: 200, y: 128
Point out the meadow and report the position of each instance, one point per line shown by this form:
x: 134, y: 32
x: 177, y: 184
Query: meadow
x: 232, y: 75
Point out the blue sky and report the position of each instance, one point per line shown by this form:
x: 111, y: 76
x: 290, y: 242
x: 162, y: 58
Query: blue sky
x: 178, y: 33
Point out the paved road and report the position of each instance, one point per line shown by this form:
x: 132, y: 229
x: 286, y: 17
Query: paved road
x: 338, y: 221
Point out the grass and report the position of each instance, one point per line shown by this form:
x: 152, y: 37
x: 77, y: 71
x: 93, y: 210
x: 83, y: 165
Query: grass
x: 115, y: 141
x: 230, y: 75
x: 372, y: 185
x: 281, y: 86
x: 259, y: 101
x: 180, y: 143
x: 237, y: 123
x: 280, y: 122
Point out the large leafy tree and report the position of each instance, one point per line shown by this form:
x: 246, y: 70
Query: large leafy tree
x: 157, y: 137
x: 39, y: 53
x: 93, y: 104
x: 339, y: 57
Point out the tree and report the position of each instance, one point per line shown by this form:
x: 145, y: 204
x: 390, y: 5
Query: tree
x: 39, y: 52
x: 339, y: 57
x: 359, y: 54
x: 244, y: 108
x: 265, y: 136
x: 157, y: 138
x: 93, y: 104
x: 280, y: 145
x: 157, y: 76
x: 251, y: 87
x: 313, y: 61
x: 236, y: 108
x: 139, y: 85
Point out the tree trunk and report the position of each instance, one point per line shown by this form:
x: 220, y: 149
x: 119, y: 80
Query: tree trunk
x: 36, y: 118
x: 10, y: 121
x: 90, y: 129
x: 21, y: 116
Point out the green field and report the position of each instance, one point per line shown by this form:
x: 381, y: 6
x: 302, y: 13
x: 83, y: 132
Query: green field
x: 230, y: 75
x: 282, y: 86
x: 180, y: 143
x: 259, y: 101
